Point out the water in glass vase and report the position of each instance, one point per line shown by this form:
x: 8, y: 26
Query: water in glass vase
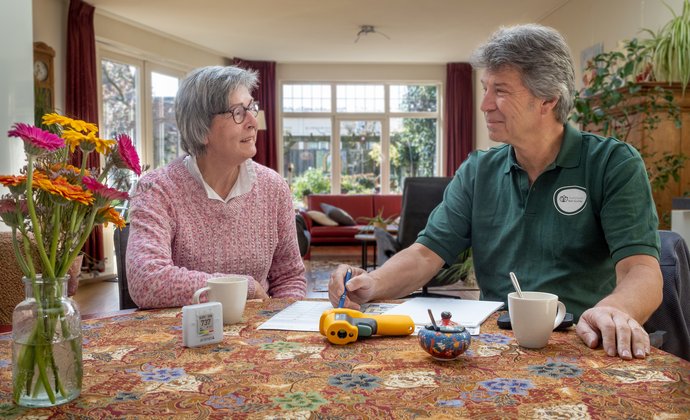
x: 46, y: 345
x: 68, y: 365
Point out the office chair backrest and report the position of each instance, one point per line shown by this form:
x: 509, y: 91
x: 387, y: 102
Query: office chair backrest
x: 673, y: 316
x: 121, y: 237
x: 420, y: 196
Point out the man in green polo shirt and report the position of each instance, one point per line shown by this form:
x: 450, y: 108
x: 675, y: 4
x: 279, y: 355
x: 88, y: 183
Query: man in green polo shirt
x: 569, y: 212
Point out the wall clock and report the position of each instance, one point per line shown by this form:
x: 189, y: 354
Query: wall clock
x: 44, y: 84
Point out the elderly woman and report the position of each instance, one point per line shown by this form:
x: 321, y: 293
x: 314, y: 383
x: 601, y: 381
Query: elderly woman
x: 214, y: 211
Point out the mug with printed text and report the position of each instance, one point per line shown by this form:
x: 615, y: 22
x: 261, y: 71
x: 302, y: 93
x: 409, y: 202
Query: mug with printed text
x: 230, y: 291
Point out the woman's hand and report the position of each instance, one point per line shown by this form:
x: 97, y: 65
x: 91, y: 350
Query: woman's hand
x: 259, y: 292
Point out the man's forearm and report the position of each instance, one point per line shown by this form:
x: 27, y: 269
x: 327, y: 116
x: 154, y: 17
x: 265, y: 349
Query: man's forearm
x: 406, y: 271
x: 639, y: 290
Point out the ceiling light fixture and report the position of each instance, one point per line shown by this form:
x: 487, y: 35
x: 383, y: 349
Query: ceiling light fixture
x: 368, y: 29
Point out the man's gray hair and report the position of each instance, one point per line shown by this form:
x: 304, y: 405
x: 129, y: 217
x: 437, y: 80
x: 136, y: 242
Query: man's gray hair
x: 203, y: 93
x: 542, y: 57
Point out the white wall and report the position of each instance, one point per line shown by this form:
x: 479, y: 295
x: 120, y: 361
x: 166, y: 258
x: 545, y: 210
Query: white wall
x: 584, y: 23
x: 16, y: 82
x: 152, y: 46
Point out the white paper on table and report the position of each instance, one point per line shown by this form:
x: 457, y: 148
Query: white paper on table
x: 468, y: 313
x: 304, y: 315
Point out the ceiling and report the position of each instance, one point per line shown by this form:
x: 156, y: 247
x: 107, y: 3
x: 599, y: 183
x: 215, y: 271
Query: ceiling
x: 324, y: 31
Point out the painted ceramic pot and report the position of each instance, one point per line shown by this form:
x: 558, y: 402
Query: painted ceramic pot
x: 446, y: 340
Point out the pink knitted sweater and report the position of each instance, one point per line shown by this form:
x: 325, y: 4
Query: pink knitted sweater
x: 179, y: 238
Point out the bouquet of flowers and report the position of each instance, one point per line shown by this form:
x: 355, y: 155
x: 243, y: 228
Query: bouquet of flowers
x: 54, y: 206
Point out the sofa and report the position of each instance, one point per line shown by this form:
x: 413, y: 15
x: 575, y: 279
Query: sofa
x: 358, y: 206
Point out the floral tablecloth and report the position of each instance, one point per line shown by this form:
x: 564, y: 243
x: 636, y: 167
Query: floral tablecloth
x: 135, y: 366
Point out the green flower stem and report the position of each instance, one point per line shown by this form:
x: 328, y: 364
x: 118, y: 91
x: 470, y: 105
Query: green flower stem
x: 26, y: 363
x: 17, y: 254
x: 29, y: 258
x: 104, y: 172
x: 56, y: 235
x: 84, y: 158
x: 37, y: 337
x: 76, y: 220
x: 34, y: 219
x: 85, y: 235
x: 30, y: 271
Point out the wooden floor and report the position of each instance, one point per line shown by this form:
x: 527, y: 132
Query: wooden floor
x: 102, y: 296
x: 97, y: 297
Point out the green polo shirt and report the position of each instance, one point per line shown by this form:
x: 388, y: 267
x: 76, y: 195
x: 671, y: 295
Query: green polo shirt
x: 563, y: 234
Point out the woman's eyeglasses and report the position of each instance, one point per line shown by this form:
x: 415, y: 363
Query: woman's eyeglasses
x: 239, y: 112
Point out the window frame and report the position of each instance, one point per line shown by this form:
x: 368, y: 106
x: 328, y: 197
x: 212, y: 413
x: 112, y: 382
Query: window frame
x: 145, y: 113
x: 384, y: 118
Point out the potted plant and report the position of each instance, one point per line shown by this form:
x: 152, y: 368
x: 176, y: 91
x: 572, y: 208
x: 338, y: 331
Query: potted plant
x: 669, y: 48
x: 620, y: 97
x: 379, y: 221
x: 55, y: 205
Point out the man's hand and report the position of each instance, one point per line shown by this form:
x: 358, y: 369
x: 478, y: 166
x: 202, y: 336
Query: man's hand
x: 617, y: 331
x: 359, y: 287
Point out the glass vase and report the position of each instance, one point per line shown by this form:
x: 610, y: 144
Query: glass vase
x: 46, y: 345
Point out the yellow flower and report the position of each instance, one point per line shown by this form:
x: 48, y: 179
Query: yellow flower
x: 87, y: 142
x: 79, y: 125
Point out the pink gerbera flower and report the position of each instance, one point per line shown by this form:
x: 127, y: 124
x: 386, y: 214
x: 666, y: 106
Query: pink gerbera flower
x: 128, y: 154
x: 102, y: 190
x: 35, y: 139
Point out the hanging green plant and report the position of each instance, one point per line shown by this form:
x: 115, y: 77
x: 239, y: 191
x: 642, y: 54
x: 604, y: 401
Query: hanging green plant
x: 670, y: 48
x: 616, y: 101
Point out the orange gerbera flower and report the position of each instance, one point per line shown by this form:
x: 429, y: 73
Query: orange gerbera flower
x: 59, y: 186
x: 12, y: 180
x: 109, y: 214
x: 79, y: 125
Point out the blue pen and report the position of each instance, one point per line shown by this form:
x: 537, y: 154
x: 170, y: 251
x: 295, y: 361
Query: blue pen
x: 347, y: 278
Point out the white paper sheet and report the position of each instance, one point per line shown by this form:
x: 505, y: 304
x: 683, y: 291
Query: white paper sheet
x: 305, y: 315
x: 468, y: 313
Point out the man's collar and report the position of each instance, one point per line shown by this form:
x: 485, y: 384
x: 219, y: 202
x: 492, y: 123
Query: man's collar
x: 568, y: 156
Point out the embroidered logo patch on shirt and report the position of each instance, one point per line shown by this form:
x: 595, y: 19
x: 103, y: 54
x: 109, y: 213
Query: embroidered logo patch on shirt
x: 570, y: 200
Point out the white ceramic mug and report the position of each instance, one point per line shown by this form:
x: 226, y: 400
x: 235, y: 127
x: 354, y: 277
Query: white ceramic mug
x: 230, y: 291
x: 534, y: 316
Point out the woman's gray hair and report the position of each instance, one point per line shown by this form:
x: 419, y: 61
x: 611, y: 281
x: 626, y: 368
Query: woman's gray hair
x: 542, y: 57
x: 203, y: 93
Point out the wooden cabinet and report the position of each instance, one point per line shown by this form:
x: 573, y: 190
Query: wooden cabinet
x: 666, y: 138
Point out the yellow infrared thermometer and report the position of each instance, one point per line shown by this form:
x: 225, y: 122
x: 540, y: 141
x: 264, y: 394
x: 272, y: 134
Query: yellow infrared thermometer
x: 342, y: 325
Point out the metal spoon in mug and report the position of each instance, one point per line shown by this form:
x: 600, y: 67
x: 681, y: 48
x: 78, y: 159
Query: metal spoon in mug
x: 516, y: 284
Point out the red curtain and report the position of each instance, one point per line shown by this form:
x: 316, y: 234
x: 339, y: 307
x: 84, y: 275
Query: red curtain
x: 81, y: 98
x: 266, y: 150
x: 459, y: 115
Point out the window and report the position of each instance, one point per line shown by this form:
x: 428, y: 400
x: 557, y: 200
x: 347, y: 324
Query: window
x: 358, y: 138
x: 166, y: 138
x: 121, y: 92
x: 137, y: 98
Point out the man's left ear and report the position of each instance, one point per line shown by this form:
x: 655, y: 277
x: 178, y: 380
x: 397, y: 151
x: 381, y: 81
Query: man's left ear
x: 548, y: 106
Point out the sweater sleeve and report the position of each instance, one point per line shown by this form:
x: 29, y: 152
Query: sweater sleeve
x: 286, y: 275
x: 153, y: 279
